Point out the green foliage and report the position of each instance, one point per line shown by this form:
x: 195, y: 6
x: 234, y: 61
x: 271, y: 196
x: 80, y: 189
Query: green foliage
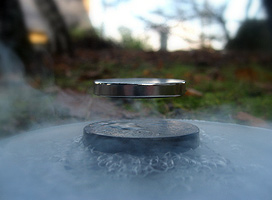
x: 129, y: 42
x: 79, y: 33
x: 90, y: 39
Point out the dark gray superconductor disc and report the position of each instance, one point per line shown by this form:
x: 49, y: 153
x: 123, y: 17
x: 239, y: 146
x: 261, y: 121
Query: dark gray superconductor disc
x: 141, y: 136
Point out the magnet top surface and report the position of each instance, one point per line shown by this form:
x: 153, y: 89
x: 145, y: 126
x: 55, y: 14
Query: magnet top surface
x: 139, y: 87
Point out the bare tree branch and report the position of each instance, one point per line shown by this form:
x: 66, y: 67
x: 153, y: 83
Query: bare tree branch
x: 248, y: 6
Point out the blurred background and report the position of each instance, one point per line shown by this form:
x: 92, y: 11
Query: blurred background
x: 51, y: 51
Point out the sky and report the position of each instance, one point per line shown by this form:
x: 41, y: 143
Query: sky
x: 127, y: 13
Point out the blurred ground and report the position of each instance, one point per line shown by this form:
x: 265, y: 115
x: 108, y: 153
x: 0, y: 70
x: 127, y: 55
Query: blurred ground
x: 227, y: 87
x: 221, y: 86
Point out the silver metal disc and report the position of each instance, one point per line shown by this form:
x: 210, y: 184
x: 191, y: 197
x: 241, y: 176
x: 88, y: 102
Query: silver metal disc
x: 139, y: 87
x: 141, y: 136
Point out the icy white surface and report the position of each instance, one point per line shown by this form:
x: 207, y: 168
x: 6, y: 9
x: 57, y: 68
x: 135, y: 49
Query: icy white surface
x: 232, y: 162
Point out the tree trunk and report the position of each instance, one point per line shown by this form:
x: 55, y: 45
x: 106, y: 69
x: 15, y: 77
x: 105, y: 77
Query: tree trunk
x: 268, y: 8
x: 13, y: 32
x: 53, y: 17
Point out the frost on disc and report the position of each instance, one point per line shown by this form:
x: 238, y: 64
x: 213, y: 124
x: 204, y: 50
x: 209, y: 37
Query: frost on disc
x: 199, y: 161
